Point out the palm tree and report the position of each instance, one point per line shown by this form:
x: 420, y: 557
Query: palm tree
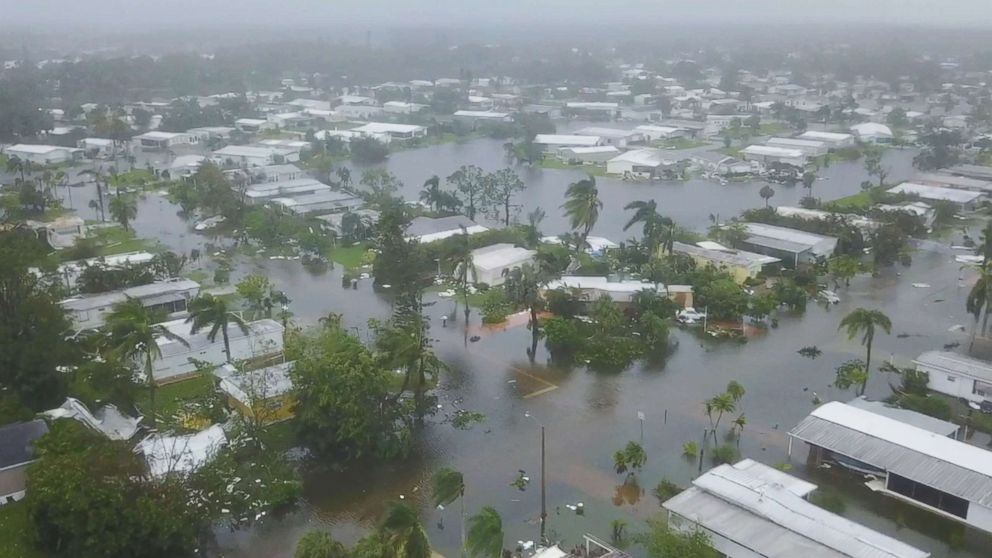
x: 403, y: 534
x: 485, y: 534
x: 808, y: 179
x: 523, y: 288
x: 721, y: 404
x: 862, y: 321
x: 985, y: 246
x: 97, y: 175
x: 62, y: 179
x: 210, y: 311
x: 978, y: 300
x: 465, y: 272
x: 16, y: 165
x: 123, y: 209
x: 582, y: 205
x: 766, y: 193
x: 432, y: 193
x: 449, y: 485
x: 133, y: 332
x: 653, y: 223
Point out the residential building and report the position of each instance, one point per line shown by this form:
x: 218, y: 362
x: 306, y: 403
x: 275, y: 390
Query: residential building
x: 928, y: 469
x: 254, y: 125
x: 792, y: 246
x: 264, y: 192
x: 862, y: 223
x: 717, y: 123
x: 16, y: 455
x: 926, y: 422
x: 979, y: 172
x: 647, y: 162
x: 553, y: 142
x: 957, y: 375
x: 751, y: 510
x: 492, y: 262
x: 872, y: 132
x: 400, y: 107
x: 612, y: 136
x: 254, y: 155
x: 476, y: 117
x: 324, y: 201
x: 965, y: 200
x: 594, y: 109
x: 430, y: 229
x: 265, y: 394
x: 811, y: 148
x: 922, y: 210
x: 70, y: 271
x: 358, y: 112
x: 271, y: 173
x: 172, y: 296
x: 96, y: 148
x: 722, y: 165
x: 178, y: 360
x: 740, y: 264
x: 659, y: 133
x: 43, y: 154
x: 588, y: 155
x: 836, y: 140
x: 107, y: 420
x: 394, y: 131
x: 208, y: 133
x: 621, y: 291
x: 166, y: 454
x: 160, y: 141
x: 766, y: 155
x: 61, y: 232
x: 185, y: 166
x: 946, y: 180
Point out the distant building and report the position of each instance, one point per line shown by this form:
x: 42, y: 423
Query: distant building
x: 254, y: 155
x: 430, y: 229
x: 740, y: 264
x: 554, y: 142
x: 924, y: 211
x: 107, y: 420
x: 324, y: 201
x: 254, y: 125
x: 178, y: 360
x: 957, y: 375
x: 836, y: 140
x: 167, y: 455
x: 43, y: 154
x: 946, y: 180
x: 657, y: 133
x: 96, y: 148
x: 160, y: 141
x: 722, y: 165
x: 91, y: 310
x: 394, y: 131
x: 872, y: 132
x: 767, y: 155
x: 751, y: 510
x: 811, y: 148
x: 792, y: 246
x: 805, y: 214
x: 979, y: 172
x: 588, y: 155
x: 621, y: 291
x: 647, y: 162
x: 61, y: 232
x: 477, y: 117
x: 612, y: 136
x: 264, y: 192
x: 16, y: 454
x: 491, y: 262
x: 964, y: 200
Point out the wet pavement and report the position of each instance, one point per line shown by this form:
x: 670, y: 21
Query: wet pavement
x: 590, y: 415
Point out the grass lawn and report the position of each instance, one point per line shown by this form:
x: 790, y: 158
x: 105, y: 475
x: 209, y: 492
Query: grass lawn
x: 350, y: 257
x: 861, y: 200
x: 169, y: 398
x: 15, y: 532
x: 130, y: 245
x: 552, y: 163
x: 730, y: 151
x: 771, y: 128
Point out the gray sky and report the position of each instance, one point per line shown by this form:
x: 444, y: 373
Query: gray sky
x: 479, y: 13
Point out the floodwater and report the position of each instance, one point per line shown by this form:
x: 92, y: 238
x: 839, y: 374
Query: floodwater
x: 589, y: 415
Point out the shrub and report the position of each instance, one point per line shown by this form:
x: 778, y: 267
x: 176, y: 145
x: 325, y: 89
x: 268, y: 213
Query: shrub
x: 725, y: 454
x: 666, y: 490
x: 561, y: 333
x: 932, y: 406
x: 830, y: 502
x: 495, y: 306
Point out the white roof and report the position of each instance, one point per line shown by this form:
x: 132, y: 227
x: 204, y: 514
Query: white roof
x: 869, y: 129
x: 181, y: 454
x: 98, y: 141
x: 107, y: 420
x: 767, y: 150
x: 784, y: 233
x: 481, y: 114
x: 387, y: 127
x: 550, y: 552
x: 826, y: 136
x: 251, y: 121
x: 250, y: 151
x: 158, y: 136
x: 606, y: 132
x: 646, y: 157
x: 763, y: 510
x: 592, y: 150
x: 954, y: 363
x: 936, y: 192
x: 34, y: 149
x: 565, y: 139
x: 804, y: 213
x: 501, y: 256
x: 592, y: 105
x: 187, y: 161
x: 657, y: 129
x: 603, y: 284
x: 263, y: 383
x: 797, y: 142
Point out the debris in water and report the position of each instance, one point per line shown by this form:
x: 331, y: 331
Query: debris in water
x: 949, y: 346
x: 810, y: 352
x: 957, y: 327
x: 921, y: 285
x: 902, y: 335
x: 474, y: 338
x: 521, y: 481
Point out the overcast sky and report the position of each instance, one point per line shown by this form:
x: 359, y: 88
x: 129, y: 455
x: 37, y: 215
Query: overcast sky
x: 477, y: 13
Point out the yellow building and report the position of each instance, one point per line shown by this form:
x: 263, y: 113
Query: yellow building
x: 265, y: 394
x: 739, y: 264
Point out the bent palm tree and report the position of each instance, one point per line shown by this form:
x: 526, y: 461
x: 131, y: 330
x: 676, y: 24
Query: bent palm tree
x: 653, y: 224
x: 124, y: 210
x: 133, y: 333
x: 978, y: 300
x: 403, y: 534
x: 523, y: 288
x: 582, y: 205
x: 465, y: 271
x: 485, y: 534
x: 449, y: 485
x: 206, y: 311
x: 432, y: 194
x: 862, y: 321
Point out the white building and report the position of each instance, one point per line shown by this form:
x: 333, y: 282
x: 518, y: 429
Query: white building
x: 872, y: 132
x: 657, y: 133
x: 61, y: 232
x: 554, y: 142
x: 324, y: 201
x: 922, y: 210
x: 621, y: 291
x: 394, y: 131
x: 819, y: 215
x: 491, y: 262
x: 945, y: 180
x: 91, y: 310
x: 957, y: 375
x: 965, y: 200
x: 766, y: 154
x: 791, y: 245
x: 429, y: 229
x: 254, y: 125
x: 640, y: 163
x: 358, y: 112
x: 263, y: 192
x: 928, y: 469
x: 264, y: 337
x: 474, y: 117
x: 254, y: 155
x: 811, y: 148
x: 155, y: 140
x: 181, y: 454
x: 751, y: 510
x: 835, y: 140
x: 717, y: 123
x: 107, y: 420
x: 43, y: 154
x: 612, y: 136
x: 588, y: 155
x: 400, y: 107
x: 96, y: 147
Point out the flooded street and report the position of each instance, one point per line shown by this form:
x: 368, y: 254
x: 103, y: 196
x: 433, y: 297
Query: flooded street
x: 588, y: 415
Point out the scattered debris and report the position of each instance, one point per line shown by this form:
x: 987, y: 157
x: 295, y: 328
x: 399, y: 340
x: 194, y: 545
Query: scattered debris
x: 463, y: 420
x: 922, y: 285
x: 949, y: 346
x: 956, y: 327
x: 810, y: 352
x: 521, y: 481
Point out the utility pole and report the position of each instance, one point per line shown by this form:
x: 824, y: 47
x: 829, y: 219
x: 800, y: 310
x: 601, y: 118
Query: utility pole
x: 544, y: 489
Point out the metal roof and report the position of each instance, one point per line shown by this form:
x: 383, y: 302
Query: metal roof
x: 17, y: 442
x: 726, y: 256
x: 917, y: 454
x: 926, y: 191
x: 935, y: 425
x: 422, y: 226
x: 754, y: 506
x: 954, y: 363
x: 500, y: 256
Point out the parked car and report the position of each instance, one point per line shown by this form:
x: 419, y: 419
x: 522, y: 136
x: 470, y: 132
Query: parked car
x: 829, y: 296
x: 690, y: 316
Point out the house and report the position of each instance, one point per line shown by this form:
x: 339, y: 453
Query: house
x: 61, y: 232
x: 647, y: 162
x: 96, y: 148
x: 965, y: 200
x: 181, y: 454
x: 324, y: 201
x: 720, y: 164
x: 394, y: 131
x: 621, y: 291
x: 751, y: 510
x: 299, y: 146
x: 43, y: 154
x: 358, y: 112
x: 91, y: 310
x: 717, y: 123
x: 599, y: 110
x: 310, y: 104
x: 811, y: 148
x: 553, y: 142
x: 185, y: 166
x: 254, y: 155
x: 957, y: 375
x: 612, y: 136
x: 430, y: 229
x: 766, y: 155
x: 872, y: 132
x: 741, y: 265
x: 835, y: 140
x: 254, y: 125
x: 290, y: 120
x: 862, y: 223
x: 928, y: 469
x: 16, y: 454
x: 476, y: 117
x: 945, y: 180
x: 265, y: 394
x: 208, y: 133
x: 791, y: 245
x: 926, y: 422
x: 595, y: 245
x: 491, y: 262
x: 69, y: 272
x: 660, y: 133
x: 588, y: 155
x: 270, y: 173
x: 263, y: 338
x: 160, y: 141
x: 256, y: 194
x: 107, y: 420
x: 400, y: 107
x: 979, y: 172
x: 922, y: 210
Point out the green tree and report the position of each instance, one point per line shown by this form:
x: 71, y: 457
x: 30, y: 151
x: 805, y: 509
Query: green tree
x: 466, y: 274
x: 123, y: 209
x: 721, y: 404
x: 664, y: 542
x: 979, y: 300
x: 501, y: 187
x: 852, y: 373
x: 403, y: 535
x: 523, y: 289
x: 843, y: 268
x: 133, y: 335
x: 809, y: 179
x: 862, y: 321
x: 319, y: 544
x: 208, y: 311
x: 654, y: 226
x: 470, y: 181
x: 873, y: 165
x: 432, y: 193
x: 379, y: 186
x: 261, y: 295
x: 582, y: 206
x: 630, y: 459
x: 485, y: 534
x: 766, y: 193
x: 448, y: 486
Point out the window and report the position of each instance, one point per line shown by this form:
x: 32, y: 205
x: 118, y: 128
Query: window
x: 951, y: 379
